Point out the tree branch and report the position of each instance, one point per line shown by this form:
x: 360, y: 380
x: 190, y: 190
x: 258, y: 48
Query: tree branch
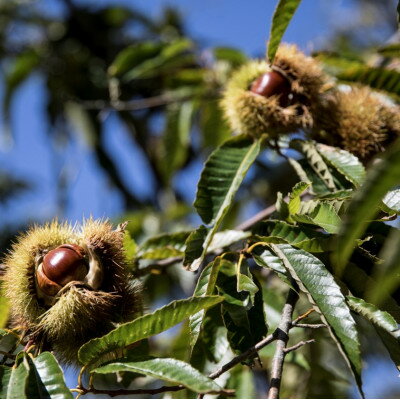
x: 298, y: 345
x: 282, y: 339
x: 127, y: 392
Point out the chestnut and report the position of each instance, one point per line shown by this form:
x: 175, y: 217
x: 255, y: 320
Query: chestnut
x: 273, y: 83
x: 64, y: 264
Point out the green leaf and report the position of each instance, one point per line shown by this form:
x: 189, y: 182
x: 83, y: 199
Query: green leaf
x: 52, y: 376
x: 282, y: 16
x: 235, y: 57
x: 391, y: 50
x: 355, y: 71
x: 322, y: 290
x: 294, y: 197
x: 346, y: 163
x: 133, y: 55
x: 4, y: 311
x: 392, y: 200
x: 5, y: 375
x: 170, y: 55
x: 34, y: 385
x: 358, y: 281
x: 195, y: 245
x: 315, y: 161
x: 222, y: 175
x: 17, y: 384
x: 144, y: 327
x: 130, y: 246
x: 381, y: 319
x: 204, y: 287
x: 175, y: 141
x: 364, y: 205
x: 226, y: 238
x: 301, y: 237
x: 242, y: 312
x: 163, y: 246
x: 324, y: 215
x: 265, y: 258
x: 167, y: 369
x: 245, y: 281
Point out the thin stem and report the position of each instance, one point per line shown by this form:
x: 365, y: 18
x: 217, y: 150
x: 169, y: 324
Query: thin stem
x: 309, y: 326
x: 282, y: 339
x: 298, y: 345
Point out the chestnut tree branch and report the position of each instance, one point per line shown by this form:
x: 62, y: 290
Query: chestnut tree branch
x: 126, y: 392
x: 282, y: 333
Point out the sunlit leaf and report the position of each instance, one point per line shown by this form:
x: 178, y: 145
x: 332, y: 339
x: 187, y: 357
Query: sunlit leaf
x: 130, y: 246
x: 345, y: 162
x: 17, y: 384
x: 282, y: 16
x: 381, y: 319
x: 52, y: 376
x: 145, y: 326
x: 324, y: 215
x: 222, y: 175
x: 392, y: 200
x: 167, y: 369
x: 301, y: 237
x: 322, y: 290
x: 294, y: 197
x: 315, y: 161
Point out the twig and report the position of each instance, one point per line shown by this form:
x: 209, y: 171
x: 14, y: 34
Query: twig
x: 256, y: 218
x: 126, y: 392
x: 302, y: 316
x: 310, y: 326
x: 241, y: 357
x: 140, y: 104
x: 283, y: 337
x: 298, y: 345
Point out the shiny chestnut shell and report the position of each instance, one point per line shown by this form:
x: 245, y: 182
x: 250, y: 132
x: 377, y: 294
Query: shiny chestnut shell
x: 65, y: 263
x: 272, y: 83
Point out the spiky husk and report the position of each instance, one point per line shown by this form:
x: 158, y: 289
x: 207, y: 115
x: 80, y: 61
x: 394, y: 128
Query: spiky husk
x: 79, y: 313
x: 255, y: 115
x: 357, y: 121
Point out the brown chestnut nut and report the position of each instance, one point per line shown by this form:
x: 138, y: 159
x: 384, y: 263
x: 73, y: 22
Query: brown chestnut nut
x: 64, y: 264
x: 270, y: 84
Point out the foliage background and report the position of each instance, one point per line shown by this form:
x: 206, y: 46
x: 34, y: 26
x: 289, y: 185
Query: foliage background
x: 49, y: 170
